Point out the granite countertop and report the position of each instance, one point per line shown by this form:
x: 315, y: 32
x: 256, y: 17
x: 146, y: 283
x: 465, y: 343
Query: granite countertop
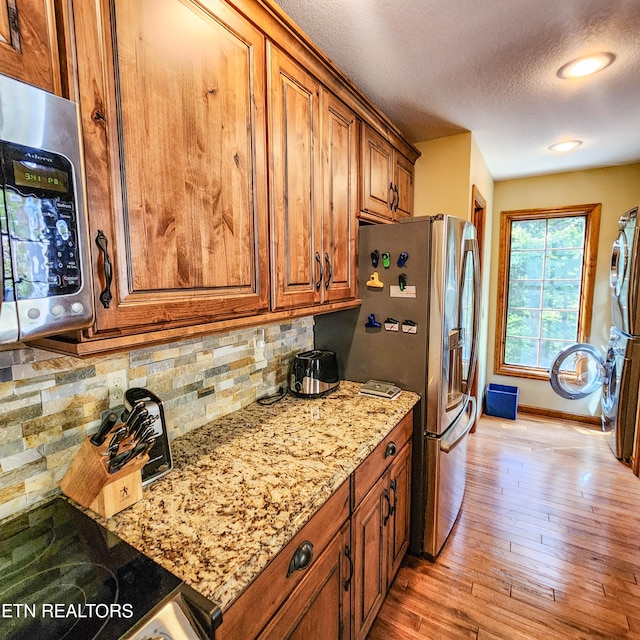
x: 245, y: 484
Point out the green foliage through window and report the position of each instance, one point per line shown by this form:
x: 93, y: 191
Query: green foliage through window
x: 545, y: 279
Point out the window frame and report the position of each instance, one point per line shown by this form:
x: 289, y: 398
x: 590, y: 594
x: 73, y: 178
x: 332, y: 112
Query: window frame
x: 591, y: 212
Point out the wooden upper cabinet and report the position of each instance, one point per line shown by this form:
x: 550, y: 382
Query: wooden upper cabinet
x: 340, y: 204
x: 29, y: 43
x: 377, y: 174
x: 387, y: 180
x: 403, y: 180
x: 173, y: 113
x: 296, y: 183
x: 313, y: 140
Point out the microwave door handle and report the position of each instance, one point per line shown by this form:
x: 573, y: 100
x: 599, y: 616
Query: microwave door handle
x: 447, y: 447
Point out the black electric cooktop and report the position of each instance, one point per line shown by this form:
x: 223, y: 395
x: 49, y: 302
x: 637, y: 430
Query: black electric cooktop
x: 65, y: 577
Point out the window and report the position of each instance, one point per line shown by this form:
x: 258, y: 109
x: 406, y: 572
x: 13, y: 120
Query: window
x: 546, y: 281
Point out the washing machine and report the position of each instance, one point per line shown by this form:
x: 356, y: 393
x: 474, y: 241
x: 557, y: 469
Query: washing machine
x: 582, y: 369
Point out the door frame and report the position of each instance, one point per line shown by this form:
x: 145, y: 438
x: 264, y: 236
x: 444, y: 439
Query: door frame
x: 479, y: 219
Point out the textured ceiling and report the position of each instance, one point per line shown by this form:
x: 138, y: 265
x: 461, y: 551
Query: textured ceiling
x: 440, y: 67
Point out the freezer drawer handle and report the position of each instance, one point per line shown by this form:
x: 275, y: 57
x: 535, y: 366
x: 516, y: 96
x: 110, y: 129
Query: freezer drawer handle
x: 391, y: 450
x: 301, y: 558
x: 446, y: 447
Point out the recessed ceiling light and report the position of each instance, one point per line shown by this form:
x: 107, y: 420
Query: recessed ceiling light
x: 566, y: 145
x: 585, y: 66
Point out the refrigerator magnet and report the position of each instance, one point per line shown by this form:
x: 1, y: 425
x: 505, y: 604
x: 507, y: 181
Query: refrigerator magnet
x: 402, y: 259
x: 371, y: 322
x: 391, y: 324
x: 409, y: 326
x: 374, y: 281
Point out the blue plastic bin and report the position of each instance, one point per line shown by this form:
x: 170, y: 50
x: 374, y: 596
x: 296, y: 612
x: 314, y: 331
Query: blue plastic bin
x: 502, y: 401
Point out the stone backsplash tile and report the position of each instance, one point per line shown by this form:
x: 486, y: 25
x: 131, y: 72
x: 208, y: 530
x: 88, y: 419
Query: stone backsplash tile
x: 49, y: 403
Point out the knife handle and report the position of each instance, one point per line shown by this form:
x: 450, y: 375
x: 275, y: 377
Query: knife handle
x: 108, y: 423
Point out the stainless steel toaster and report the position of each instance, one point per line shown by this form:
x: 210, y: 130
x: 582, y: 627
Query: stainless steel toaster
x: 314, y: 373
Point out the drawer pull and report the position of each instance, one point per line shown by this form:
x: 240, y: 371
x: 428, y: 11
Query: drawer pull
x: 347, y: 582
x: 301, y: 558
x: 391, y: 450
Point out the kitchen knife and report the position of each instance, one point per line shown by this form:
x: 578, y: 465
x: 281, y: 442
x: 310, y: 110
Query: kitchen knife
x: 139, y: 413
x: 118, y: 436
x: 117, y: 462
x: 100, y: 436
x: 144, y: 425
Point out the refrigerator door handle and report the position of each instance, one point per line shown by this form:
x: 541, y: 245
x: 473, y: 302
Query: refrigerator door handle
x: 471, y: 246
x: 446, y: 447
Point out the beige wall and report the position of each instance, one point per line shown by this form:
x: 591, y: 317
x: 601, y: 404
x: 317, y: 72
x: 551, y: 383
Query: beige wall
x: 444, y: 177
x: 618, y: 189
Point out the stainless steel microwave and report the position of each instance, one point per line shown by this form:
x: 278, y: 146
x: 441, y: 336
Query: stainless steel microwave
x: 46, y: 279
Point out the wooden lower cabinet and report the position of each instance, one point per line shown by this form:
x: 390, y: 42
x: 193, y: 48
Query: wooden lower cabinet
x: 380, y: 539
x: 370, y: 558
x: 400, y: 496
x: 347, y: 556
x: 320, y: 606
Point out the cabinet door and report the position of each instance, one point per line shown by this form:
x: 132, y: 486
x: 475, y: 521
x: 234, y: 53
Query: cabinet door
x: 404, y: 170
x: 319, y: 608
x: 377, y: 174
x: 340, y: 206
x: 29, y: 44
x: 400, y: 494
x: 296, y: 187
x: 370, y: 522
x: 172, y: 104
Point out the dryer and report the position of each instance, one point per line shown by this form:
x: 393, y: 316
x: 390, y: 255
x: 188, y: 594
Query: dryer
x: 625, y: 275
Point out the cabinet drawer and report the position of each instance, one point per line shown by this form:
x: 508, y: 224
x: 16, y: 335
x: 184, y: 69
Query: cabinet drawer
x: 320, y: 606
x: 373, y: 467
x: 255, y: 606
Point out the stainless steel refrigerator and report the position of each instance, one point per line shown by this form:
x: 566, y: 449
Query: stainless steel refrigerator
x: 417, y: 328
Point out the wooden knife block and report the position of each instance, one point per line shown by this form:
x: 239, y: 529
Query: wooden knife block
x: 90, y: 484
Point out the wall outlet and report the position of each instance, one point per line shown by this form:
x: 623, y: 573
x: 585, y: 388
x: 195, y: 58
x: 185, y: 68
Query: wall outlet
x: 117, y: 383
x: 258, y: 350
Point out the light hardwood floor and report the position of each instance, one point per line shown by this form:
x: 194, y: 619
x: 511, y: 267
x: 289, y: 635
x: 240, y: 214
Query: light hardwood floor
x: 547, y: 545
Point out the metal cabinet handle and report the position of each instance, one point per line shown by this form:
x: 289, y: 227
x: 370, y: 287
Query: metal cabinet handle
x: 392, y: 194
x: 386, y: 518
x: 395, y: 497
x: 396, y: 198
x: 105, y: 296
x: 321, y: 278
x: 347, y: 553
x: 327, y: 282
x: 302, y: 558
x: 391, y: 450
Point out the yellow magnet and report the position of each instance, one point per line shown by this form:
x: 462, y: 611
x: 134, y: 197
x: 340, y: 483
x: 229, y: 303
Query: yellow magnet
x: 374, y: 281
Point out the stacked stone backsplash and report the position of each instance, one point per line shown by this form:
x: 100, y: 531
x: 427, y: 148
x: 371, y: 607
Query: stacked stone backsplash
x: 49, y: 403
